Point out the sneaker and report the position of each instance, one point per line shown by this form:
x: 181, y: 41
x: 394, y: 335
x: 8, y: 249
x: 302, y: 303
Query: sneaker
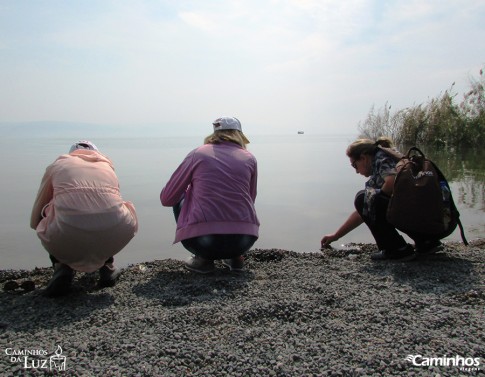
x: 108, y: 276
x: 404, y: 254
x: 200, y: 265
x: 429, y: 247
x: 60, y: 283
x: 235, y: 264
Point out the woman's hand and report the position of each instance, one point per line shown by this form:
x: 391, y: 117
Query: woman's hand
x: 350, y: 224
x: 327, y: 240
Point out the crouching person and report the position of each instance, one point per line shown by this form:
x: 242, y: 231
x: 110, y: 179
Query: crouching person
x: 81, y: 218
x: 212, y: 193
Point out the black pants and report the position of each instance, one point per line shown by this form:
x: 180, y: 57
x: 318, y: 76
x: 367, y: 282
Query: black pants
x: 217, y: 246
x: 385, y: 234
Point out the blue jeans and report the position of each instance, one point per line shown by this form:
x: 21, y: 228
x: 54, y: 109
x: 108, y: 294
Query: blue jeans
x: 217, y: 246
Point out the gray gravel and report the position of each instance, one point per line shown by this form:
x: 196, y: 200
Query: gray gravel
x: 335, y: 313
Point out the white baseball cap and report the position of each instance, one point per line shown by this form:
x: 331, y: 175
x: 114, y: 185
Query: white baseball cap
x: 229, y: 123
x: 83, y: 144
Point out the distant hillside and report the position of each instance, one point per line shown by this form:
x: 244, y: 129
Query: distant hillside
x: 54, y: 129
x: 88, y: 131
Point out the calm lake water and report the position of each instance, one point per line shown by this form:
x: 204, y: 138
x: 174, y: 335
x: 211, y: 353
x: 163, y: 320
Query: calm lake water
x: 305, y: 190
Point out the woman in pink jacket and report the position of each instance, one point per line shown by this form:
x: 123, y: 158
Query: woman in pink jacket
x: 212, y: 193
x: 80, y: 217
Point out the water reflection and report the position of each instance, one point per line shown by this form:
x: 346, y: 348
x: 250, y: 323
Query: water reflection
x: 306, y: 189
x: 465, y: 171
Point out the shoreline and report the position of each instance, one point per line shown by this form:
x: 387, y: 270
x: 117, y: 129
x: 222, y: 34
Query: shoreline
x: 290, y: 314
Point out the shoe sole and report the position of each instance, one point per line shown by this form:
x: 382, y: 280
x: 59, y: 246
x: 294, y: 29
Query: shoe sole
x: 432, y: 251
x: 233, y: 269
x: 199, y: 271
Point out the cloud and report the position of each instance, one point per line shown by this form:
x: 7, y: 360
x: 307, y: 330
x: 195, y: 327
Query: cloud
x: 204, y: 22
x: 277, y: 61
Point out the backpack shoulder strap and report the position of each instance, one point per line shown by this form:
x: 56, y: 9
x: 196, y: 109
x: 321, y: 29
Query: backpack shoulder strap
x: 416, y: 150
x: 462, y: 232
x: 457, y: 215
x: 395, y: 154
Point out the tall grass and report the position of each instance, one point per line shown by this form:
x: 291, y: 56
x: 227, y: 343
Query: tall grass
x: 439, y: 122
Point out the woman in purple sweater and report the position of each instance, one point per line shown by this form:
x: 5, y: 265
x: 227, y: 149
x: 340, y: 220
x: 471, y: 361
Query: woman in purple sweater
x: 212, y: 193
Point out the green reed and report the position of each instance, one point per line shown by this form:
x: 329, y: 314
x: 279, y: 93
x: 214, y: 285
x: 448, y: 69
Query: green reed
x: 439, y: 122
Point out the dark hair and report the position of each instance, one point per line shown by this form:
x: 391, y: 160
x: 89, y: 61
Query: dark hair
x: 367, y: 146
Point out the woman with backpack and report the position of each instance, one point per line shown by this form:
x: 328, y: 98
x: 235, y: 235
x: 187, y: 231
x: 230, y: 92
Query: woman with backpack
x: 369, y: 160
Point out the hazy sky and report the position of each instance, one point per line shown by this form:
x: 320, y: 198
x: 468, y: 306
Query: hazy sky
x: 278, y: 65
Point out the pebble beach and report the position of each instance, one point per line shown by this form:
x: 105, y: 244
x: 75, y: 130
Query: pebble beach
x: 332, y: 313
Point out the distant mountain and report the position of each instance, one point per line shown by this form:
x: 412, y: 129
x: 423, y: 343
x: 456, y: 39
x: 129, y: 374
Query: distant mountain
x: 89, y: 131
x: 54, y: 129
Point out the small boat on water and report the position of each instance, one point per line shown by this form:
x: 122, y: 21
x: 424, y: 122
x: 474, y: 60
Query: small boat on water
x: 300, y: 132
